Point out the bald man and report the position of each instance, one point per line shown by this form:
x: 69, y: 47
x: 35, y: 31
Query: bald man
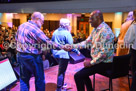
x: 122, y: 49
x: 29, y: 38
x: 102, y: 56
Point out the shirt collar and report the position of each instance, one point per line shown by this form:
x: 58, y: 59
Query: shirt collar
x: 63, y: 29
x: 32, y: 23
x: 100, y: 26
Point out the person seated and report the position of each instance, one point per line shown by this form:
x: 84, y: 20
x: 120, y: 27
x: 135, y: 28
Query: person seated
x: 102, y: 56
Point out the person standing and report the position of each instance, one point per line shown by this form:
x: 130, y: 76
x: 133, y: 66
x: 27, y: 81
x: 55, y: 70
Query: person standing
x: 62, y: 36
x: 102, y: 54
x: 29, y: 38
x: 122, y: 49
x: 130, y: 40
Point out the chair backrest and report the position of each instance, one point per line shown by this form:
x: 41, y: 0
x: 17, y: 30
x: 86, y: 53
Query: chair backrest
x: 120, y: 66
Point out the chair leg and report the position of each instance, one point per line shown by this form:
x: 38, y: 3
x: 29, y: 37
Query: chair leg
x: 128, y: 82
x: 110, y: 85
x: 94, y: 82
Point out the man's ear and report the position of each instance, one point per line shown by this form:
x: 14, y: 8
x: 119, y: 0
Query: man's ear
x: 98, y: 17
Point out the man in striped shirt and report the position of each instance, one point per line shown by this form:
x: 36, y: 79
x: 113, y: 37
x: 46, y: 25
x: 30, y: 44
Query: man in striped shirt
x: 30, y: 42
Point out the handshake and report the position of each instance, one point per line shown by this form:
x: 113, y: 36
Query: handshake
x: 67, y: 47
x: 71, y: 47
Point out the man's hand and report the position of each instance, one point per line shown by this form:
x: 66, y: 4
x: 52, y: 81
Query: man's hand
x: 67, y: 47
x: 78, y: 53
x: 87, y: 63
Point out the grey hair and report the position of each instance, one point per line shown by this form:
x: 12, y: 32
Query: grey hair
x: 64, y: 22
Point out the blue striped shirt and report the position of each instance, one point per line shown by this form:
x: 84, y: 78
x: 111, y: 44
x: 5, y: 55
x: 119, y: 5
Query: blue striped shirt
x: 31, y: 39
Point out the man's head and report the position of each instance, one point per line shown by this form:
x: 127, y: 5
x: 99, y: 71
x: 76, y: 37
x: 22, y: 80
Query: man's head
x: 65, y: 23
x: 130, y: 16
x: 38, y: 18
x: 134, y: 15
x: 96, y: 18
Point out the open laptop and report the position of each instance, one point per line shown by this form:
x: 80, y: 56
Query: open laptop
x: 7, y: 75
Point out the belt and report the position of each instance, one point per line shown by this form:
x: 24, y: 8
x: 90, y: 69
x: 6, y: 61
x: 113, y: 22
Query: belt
x: 28, y: 53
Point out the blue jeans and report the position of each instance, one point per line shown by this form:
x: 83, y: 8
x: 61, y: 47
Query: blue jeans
x: 63, y: 63
x: 31, y: 64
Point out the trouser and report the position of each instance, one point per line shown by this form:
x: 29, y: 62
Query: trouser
x: 31, y: 64
x: 82, y: 77
x: 133, y: 65
x: 63, y: 63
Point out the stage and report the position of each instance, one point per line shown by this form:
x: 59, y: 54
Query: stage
x: 101, y: 82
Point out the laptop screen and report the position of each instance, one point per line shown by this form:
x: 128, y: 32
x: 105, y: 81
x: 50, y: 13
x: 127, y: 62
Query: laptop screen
x: 7, y: 75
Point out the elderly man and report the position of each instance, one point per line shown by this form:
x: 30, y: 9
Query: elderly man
x: 62, y: 36
x: 28, y: 38
x: 102, y: 51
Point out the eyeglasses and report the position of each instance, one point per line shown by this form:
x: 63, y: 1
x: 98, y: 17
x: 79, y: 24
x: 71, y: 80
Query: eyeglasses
x: 42, y: 21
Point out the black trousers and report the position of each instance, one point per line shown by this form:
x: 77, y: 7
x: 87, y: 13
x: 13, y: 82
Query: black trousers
x: 133, y: 65
x: 82, y: 77
x: 63, y: 63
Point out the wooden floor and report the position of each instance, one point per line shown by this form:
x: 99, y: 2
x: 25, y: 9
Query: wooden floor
x: 120, y: 84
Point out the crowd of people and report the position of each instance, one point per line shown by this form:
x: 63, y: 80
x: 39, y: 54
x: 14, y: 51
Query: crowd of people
x: 7, y: 43
x: 76, y: 38
x: 30, y: 57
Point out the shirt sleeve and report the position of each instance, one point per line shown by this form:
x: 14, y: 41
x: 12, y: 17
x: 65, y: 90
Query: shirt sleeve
x: 43, y: 38
x: 70, y: 41
x: 129, y: 37
x: 85, y: 43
